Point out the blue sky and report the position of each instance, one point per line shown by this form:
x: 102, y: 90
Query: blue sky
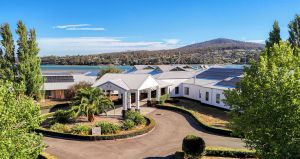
x: 97, y: 26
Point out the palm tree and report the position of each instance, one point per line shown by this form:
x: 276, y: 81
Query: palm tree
x: 91, y: 101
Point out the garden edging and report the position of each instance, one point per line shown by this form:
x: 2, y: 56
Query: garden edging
x: 219, y: 131
x: 149, y: 126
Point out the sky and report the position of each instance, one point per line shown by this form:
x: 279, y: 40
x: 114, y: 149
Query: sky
x: 81, y: 27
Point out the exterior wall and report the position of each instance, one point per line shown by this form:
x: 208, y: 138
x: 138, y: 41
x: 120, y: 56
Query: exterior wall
x: 55, y: 94
x: 175, y: 83
x: 194, y: 91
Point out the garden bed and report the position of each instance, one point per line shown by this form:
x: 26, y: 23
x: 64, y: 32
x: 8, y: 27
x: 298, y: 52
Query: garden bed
x: 137, y: 130
x: 211, y: 116
x: 198, y: 119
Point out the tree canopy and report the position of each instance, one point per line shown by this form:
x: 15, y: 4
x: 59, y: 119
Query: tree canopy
x: 109, y: 69
x: 265, y: 105
x: 19, y: 116
x: 90, y: 101
x: 294, y: 32
x: 274, y: 35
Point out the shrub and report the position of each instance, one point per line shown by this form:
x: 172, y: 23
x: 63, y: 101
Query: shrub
x: 108, y: 128
x: 64, y: 116
x: 136, y: 117
x: 60, y: 128
x: 193, y: 146
x: 128, y: 124
x: 81, y: 129
x: 163, y: 98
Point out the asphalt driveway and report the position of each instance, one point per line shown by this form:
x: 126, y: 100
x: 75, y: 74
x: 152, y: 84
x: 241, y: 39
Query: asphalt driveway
x: 164, y: 140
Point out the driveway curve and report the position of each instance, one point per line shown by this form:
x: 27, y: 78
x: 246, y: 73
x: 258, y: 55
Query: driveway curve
x: 166, y: 138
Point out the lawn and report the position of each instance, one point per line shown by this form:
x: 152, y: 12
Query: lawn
x: 209, y: 115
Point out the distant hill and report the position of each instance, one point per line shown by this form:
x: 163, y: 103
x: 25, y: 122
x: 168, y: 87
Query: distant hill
x: 217, y: 51
x: 222, y: 43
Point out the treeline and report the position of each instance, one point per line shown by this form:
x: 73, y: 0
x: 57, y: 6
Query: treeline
x: 183, y: 56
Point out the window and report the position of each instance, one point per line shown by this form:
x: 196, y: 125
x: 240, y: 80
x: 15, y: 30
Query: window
x: 207, y: 96
x: 176, y: 90
x: 186, y: 90
x: 200, y: 94
x: 218, y: 98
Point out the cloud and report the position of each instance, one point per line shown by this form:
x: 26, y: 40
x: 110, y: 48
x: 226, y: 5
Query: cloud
x: 82, y: 27
x: 172, y: 41
x: 93, y: 45
x: 71, y: 26
x: 256, y: 41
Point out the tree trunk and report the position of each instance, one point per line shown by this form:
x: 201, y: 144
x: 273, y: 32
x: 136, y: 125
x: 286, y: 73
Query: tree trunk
x: 91, y: 117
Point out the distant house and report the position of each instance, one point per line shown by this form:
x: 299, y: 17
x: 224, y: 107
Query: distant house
x: 56, y: 86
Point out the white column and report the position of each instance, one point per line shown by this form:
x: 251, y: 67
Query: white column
x: 129, y: 100
x: 149, y: 94
x: 124, y: 96
x: 137, y: 100
x: 157, y: 93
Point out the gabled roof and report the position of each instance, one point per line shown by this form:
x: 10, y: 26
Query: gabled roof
x: 127, y: 81
x: 143, y: 67
x: 220, y: 73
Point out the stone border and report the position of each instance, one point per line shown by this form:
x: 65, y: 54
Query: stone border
x: 209, y: 128
x: 149, y: 126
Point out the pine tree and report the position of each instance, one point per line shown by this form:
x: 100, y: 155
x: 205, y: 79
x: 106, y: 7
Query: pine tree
x: 7, y: 66
x: 294, y: 32
x: 274, y: 35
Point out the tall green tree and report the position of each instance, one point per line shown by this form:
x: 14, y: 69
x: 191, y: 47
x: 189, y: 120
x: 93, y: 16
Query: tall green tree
x: 265, y: 105
x: 19, y: 117
x: 34, y: 79
x: 274, y: 35
x: 29, y: 71
x: 294, y: 32
x: 7, y: 65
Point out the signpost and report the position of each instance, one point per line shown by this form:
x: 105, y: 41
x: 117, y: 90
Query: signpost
x: 96, y: 131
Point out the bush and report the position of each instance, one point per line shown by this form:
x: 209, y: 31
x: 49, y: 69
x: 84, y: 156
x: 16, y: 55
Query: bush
x: 64, y: 116
x: 163, y: 98
x: 193, y: 145
x: 136, y: 117
x: 81, y: 129
x: 128, y: 124
x: 107, y: 127
x: 229, y: 152
x: 60, y: 128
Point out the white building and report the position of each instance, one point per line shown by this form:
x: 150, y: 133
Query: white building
x: 205, y: 86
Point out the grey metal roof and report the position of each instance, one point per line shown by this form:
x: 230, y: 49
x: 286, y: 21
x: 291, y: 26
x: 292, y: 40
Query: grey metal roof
x: 56, y: 79
x: 229, y: 82
x: 220, y: 73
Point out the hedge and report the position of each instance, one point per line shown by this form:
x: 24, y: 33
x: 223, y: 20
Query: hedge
x: 222, y: 152
x: 229, y: 152
x: 45, y: 155
x: 209, y: 128
x: 150, y: 123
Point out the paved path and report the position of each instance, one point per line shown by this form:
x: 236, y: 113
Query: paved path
x: 163, y: 141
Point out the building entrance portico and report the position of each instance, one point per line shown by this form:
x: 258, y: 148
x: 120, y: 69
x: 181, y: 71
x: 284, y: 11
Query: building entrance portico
x: 130, y: 87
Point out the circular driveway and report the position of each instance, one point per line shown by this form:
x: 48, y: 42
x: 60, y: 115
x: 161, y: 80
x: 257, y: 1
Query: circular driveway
x: 166, y: 138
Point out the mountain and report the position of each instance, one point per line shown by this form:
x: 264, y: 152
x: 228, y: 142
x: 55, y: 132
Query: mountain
x: 217, y: 51
x: 222, y: 43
